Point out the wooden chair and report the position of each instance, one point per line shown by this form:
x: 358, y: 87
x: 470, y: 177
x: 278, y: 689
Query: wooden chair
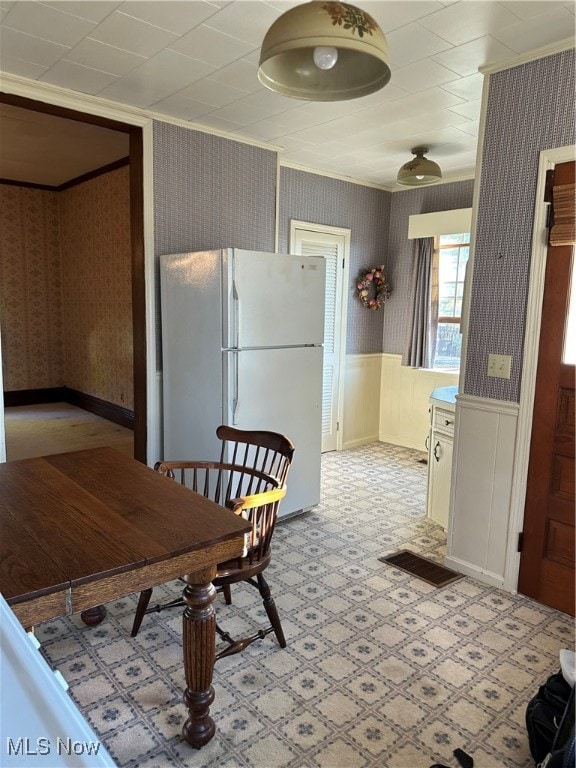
x: 251, y: 483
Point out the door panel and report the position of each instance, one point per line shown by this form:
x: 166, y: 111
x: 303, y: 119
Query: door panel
x: 547, y: 560
x: 331, y: 246
x: 279, y: 390
x: 279, y: 299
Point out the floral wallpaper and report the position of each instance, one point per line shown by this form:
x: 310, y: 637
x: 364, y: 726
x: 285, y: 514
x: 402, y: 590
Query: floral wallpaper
x: 65, y: 288
x: 30, y: 289
x: 97, y: 287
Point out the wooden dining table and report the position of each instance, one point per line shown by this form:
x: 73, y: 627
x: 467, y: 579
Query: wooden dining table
x: 83, y: 528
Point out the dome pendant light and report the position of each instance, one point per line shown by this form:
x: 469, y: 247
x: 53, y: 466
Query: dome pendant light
x: 324, y: 51
x: 419, y: 171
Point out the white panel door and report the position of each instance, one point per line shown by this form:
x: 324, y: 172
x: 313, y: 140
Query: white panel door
x: 333, y: 245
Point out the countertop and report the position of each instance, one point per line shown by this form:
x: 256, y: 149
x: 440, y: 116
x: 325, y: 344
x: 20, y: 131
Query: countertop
x: 445, y: 395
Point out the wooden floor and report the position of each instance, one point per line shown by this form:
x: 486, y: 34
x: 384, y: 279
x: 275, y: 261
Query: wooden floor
x: 40, y: 430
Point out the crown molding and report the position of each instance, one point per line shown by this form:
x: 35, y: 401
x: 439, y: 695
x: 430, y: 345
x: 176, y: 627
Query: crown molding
x: 330, y: 175
x: 82, y: 102
x: 538, y: 53
x: 373, y: 185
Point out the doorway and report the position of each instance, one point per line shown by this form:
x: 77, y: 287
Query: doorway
x: 136, y: 248
x: 333, y: 243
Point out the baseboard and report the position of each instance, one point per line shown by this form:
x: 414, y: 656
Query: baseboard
x: 110, y: 411
x: 360, y: 441
x: 95, y: 405
x: 34, y: 396
x: 403, y: 442
x: 486, y: 577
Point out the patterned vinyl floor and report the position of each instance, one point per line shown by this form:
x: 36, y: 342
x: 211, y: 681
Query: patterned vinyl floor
x: 382, y: 670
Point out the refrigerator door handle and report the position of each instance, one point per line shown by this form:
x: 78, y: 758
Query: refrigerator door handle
x: 235, y: 385
x: 236, y: 314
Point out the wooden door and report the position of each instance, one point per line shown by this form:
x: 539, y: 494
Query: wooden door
x: 547, y: 559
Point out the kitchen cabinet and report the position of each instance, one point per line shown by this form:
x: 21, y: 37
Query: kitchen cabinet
x: 440, y: 439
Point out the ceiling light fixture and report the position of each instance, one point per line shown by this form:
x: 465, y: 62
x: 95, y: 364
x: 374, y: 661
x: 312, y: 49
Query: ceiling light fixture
x: 324, y: 51
x: 419, y: 171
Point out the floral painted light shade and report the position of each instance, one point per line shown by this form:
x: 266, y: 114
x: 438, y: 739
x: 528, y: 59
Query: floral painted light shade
x: 419, y: 171
x: 324, y: 51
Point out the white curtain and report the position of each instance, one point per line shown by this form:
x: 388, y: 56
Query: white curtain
x: 421, y: 339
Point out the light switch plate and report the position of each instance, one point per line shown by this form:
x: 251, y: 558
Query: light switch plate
x: 499, y: 366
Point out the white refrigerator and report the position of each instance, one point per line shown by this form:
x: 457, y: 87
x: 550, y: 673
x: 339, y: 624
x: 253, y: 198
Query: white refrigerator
x: 242, y: 335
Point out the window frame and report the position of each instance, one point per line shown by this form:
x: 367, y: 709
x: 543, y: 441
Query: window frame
x: 435, y: 318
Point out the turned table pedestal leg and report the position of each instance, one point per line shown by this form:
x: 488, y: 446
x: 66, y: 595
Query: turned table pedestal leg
x: 93, y: 616
x: 199, y: 643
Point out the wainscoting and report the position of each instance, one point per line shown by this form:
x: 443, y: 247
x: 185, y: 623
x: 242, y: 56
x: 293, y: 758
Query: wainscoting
x: 388, y: 402
x: 482, y: 476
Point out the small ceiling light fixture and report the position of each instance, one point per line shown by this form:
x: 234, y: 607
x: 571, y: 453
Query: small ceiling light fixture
x: 324, y: 51
x: 419, y: 171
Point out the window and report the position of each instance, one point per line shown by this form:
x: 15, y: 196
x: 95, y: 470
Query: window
x: 449, y: 268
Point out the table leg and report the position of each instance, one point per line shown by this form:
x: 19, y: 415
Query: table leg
x: 93, y: 616
x: 199, y: 641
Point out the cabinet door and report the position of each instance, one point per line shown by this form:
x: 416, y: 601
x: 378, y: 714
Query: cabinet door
x: 440, y: 475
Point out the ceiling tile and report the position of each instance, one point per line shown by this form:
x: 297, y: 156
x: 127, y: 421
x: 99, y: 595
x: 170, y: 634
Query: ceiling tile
x: 159, y: 77
x: 268, y: 103
x: 412, y: 43
x: 472, y: 127
x: 299, y: 118
x: 392, y: 15
x: 210, y: 91
x: 470, y: 109
x: 537, y: 31
x: 92, y: 10
x: 434, y: 119
x: 422, y: 75
x: 239, y: 113
x: 445, y: 142
x: 369, y: 140
x: 416, y: 104
x: 388, y: 93
x: 107, y: 58
x: 47, y: 23
x: 468, y: 88
x: 525, y: 9
x: 468, y: 58
x: 29, y: 48
x: 179, y: 106
x: 132, y: 34
x: 212, y: 46
x: 462, y: 22
x: 21, y: 68
x: 178, y: 17
x: 70, y: 75
x: 241, y: 75
x: 247, y: 20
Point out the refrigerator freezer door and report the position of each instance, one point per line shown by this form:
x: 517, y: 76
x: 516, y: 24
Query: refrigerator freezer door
x: 274, y: 300
x: 281, y: 390
x: 191, y: 354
